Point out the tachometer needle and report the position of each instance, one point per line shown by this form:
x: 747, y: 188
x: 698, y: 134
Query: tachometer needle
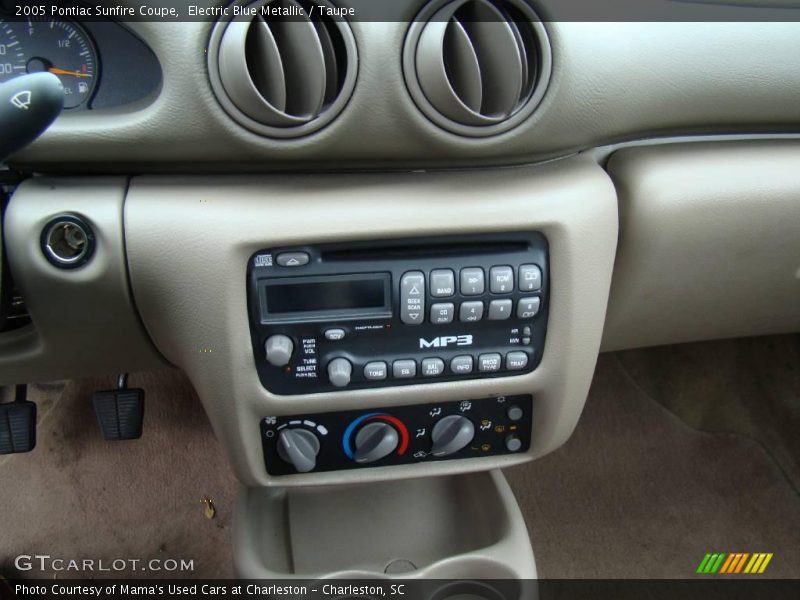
x: 58, y: 71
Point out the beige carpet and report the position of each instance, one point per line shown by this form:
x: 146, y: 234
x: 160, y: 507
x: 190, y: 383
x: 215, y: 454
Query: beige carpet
x: 636, y: 492
x: 77, y: 496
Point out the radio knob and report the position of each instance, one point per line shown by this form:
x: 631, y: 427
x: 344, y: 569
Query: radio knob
x: 299, y: 448
x: 451, y: 434
x: 279, y: 350
x: 375, y: 441
x: 339, y: 371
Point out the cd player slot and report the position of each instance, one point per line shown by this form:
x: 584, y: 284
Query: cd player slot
x: 432, y: 250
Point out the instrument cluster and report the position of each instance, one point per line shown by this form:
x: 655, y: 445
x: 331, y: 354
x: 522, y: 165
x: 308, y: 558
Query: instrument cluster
x: 100, y: 63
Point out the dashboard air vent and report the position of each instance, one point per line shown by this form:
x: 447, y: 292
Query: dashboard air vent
x: 282, y: 69
x: 477, y: 67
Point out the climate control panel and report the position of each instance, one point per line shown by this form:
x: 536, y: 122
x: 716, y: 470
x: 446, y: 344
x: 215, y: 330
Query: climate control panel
x: 399, y: 435
x: 388, y: 313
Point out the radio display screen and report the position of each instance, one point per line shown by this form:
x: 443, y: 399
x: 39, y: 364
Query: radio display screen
x: 325, y: 294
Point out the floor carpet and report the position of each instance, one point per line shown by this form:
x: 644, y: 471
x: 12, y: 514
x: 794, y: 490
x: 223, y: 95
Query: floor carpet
x: 77, y: 496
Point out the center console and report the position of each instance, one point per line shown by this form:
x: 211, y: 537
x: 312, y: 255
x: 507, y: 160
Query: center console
x: 336, y: 327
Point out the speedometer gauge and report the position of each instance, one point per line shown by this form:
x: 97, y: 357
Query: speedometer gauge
x: 12, y: 54
x: 59, y: 47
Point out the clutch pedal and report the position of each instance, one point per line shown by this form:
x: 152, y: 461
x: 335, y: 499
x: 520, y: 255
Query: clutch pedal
x: 18, y: 423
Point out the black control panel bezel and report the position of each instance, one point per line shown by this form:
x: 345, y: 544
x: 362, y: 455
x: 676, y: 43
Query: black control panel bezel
x: 384, y: 337
x: 489, y: 416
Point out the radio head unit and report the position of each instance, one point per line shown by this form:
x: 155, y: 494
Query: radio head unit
x: 386, y: 313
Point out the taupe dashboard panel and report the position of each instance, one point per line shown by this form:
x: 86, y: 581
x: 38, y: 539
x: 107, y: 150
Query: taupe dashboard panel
x: 609, y: 82
x: 709, y: 243
x: 83, y: 320
x: 189, y: 241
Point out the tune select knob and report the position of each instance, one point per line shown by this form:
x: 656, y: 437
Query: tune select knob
x: 339, y: 371
x: 299, y: 448
x: 374, y: 441
x: 279, y: 350
x: 451, y: 434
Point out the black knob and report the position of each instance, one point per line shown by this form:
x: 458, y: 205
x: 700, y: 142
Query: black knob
x: 28, y: 105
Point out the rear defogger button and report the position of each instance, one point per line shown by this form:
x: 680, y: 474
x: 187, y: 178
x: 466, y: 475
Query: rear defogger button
x: 412, y: 298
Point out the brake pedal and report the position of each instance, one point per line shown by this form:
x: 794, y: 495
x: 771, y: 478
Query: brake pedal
x: 120, y: 412
x: 18, y: 424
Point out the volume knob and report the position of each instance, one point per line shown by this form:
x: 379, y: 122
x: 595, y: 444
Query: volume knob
x: 279, y: 350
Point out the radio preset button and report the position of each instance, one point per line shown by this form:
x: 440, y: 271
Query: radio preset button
x: 528, y: 307
x: 442, y: 313
x: 292, y: 259
x: 404, y: 369
x: 516, y: 361
x: 334, y: 335
x: 488, y: 363
x: 432, y: 367
x: 461, y: 365
x: 279, y: 350
x: 499, y: 310
x: 375, y: 370
x: 339, y: 371
x: 443, y: 283
x: 501, y: 280
x: 412, y: 298
x: 530, y: 278
x: 470, y: 311
x: 472, y: 283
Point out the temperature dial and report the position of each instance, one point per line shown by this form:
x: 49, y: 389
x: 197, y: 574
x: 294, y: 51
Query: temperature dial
x: 375, y: 441
x: 374, y: 436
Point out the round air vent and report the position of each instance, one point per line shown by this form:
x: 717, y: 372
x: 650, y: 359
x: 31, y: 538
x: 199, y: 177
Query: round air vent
x: 477, y: 67
x: 280, y: 68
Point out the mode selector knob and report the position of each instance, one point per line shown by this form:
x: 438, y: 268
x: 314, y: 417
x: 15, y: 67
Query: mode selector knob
x: 374, y: 441
x: 299, y: 448
x: 451, y: 434
x: 279, y: 350
x: 339, y: 371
